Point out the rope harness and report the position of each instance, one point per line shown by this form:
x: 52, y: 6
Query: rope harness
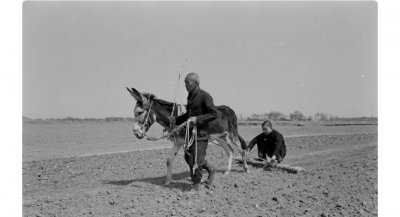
x: 148, y: 114
x: 145, y: 121
x: 171, y: 133
x: 189, y: 140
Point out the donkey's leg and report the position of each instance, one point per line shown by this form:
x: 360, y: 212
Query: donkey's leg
x: 174, y: 151
x: 234, y: 141
x: 224, y: 144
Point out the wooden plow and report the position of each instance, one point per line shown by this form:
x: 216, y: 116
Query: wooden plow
x: 268, y: 166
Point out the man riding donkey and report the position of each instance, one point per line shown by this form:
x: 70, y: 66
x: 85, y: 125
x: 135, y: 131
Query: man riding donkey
x: 200, y: 111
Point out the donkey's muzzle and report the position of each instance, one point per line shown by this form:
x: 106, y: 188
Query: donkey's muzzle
x: 138, y: 135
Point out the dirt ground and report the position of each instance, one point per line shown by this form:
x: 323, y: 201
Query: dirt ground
x: 59, y: 140
x: 340, y: 180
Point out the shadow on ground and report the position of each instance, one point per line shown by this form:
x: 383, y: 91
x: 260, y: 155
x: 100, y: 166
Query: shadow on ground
x: 176, y: 183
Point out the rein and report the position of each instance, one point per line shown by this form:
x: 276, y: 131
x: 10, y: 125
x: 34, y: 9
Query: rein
x: 147, y: 118
x: 174, y: 131
x: 171, y: 133
x: 189, y: 142
x: 148, y: 113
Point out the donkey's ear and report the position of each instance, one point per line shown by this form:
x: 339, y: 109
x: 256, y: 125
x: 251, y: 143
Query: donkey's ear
x: 136, y: 94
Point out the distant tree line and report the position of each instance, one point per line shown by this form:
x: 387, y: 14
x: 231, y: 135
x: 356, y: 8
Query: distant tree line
x: 299, y: 116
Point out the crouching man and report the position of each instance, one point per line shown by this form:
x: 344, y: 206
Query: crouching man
x: 270, y: 144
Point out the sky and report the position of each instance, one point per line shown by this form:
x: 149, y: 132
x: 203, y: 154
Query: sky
x: 256, y: 57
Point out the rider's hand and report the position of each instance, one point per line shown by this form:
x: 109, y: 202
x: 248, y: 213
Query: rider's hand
x: 273, y: 160
x: 172, y: 121
x: 193, y: 120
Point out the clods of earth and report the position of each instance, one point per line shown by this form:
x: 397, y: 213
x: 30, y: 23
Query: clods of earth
x: 340, y: 180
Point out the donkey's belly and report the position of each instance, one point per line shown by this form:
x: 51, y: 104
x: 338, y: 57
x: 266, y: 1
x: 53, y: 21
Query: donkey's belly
x: 218, y: 126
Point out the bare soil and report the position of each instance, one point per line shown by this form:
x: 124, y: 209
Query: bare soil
x: 59, y: 140
x: 340, y: 180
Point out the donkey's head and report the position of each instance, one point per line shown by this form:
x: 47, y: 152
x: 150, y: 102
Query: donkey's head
x: 144, y: 116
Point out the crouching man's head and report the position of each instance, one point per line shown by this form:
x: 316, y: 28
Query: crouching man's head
x: 267, y: 127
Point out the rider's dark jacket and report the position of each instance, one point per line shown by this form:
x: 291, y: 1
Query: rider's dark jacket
x: 200, y: 105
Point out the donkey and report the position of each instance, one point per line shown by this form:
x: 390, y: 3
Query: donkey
x: 149, y: 109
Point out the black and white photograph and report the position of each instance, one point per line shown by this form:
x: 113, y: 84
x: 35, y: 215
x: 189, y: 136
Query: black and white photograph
x: 199, y: 108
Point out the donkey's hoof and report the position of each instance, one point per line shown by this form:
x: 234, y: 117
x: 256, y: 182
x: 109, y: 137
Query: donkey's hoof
x: 227, y: 172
